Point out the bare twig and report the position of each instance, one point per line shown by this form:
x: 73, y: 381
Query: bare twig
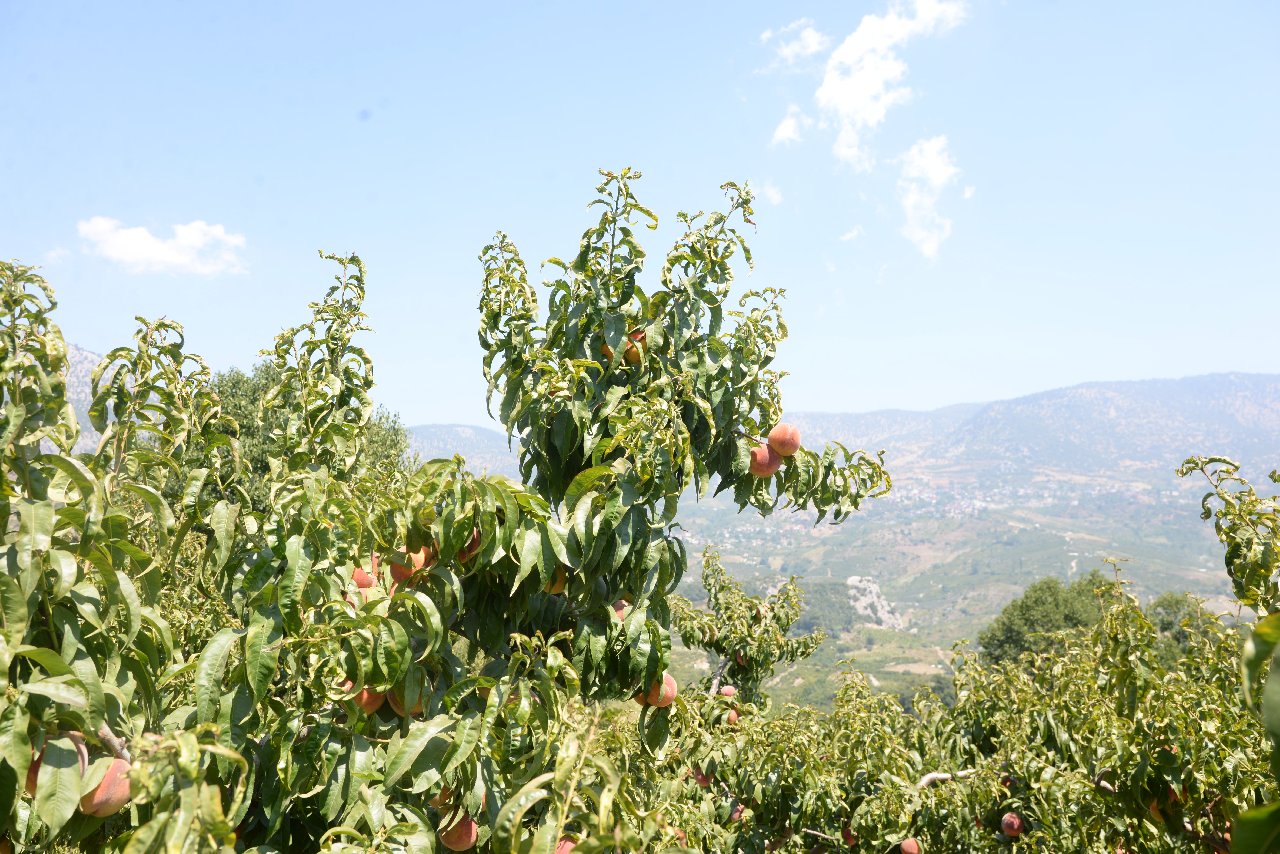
x: 715, y: 681
x: 117, y: 744
x: 943, y: 777
x: 822, y: 836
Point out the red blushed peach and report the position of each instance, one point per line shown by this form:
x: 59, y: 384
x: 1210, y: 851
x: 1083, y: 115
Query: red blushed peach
x: 472, y: 548
x: 462, y: 835
x: 728, y: 690
x: 558, y: 582
x: 661, y: 694
x: 785, y: 439
x: 395, y: 698
x: 110, y: 796
x: 765, y: 461
x: 1011, y: 825
x: 634, y: 350
x: 422, y: 558
x: 369, y: 701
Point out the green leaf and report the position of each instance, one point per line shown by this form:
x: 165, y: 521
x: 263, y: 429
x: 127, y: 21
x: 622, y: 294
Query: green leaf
x: 465, y: 738
x: 157, y: 505
x: 585, y: 482
x: 293, y: 580
x: 1257, y: 831
x: 403, y: 750
x: 262, y: 649
x: 13, y: 612
x: 508, y: 830
x: 67, y: 690
x: 210, y: 671
x: 35, y: 525
x: 58, y: 784
x: 1258, y: 650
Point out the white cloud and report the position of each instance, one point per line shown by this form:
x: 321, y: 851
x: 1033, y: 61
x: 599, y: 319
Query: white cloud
x: 864, y: 75
x: 969, y: 191
x: 788, y: 130
x: 56, y: 255
x: 805, y: 42
x: 769, y: 192
x: 797, y: 24
x: 927, y: 169
x: 852, y: 234
x: 196, y: 247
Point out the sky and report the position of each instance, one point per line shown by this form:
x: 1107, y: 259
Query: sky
x: 965, y: 200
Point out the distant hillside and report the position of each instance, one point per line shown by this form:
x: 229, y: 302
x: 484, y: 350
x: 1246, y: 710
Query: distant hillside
x: 485, y: 450
x: 1096, y: 427
x: 79, y: 387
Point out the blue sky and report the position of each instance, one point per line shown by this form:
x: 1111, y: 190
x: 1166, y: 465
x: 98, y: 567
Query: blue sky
x: 964, y: 200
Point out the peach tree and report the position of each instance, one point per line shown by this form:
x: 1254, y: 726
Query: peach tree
x: 408, y: 660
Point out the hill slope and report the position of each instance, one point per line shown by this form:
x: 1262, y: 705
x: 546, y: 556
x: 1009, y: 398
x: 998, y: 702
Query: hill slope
x: 987, y: 498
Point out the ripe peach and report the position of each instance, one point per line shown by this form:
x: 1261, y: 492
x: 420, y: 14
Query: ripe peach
x: 850, y: 838
x: 660, y: 695
x: 620, y: 607
x: 701, y: 779
x: 462, y: 836
x: 368, y: 700
x: 366, y: 578
x: 423, y: 557
x: 764, y: 461
x: 728, y: 690
x: 110, y: 796
x: 785, y: 439
x: 1011, y: 824
x: 566, y: 845
x: 442, y: 797
x: 732, y: 717
x: 558, y: 581
x: 738, y: 810
x: 396, y: 698
x: 634, y: 351
x: 472, y: 548
x: 909, y: 846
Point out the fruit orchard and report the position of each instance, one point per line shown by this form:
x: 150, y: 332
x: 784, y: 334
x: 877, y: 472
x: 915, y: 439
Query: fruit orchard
x: 318, y: 646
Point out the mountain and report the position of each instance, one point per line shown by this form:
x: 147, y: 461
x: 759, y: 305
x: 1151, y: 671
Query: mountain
x: 80, y: 365
x: 484, y: 449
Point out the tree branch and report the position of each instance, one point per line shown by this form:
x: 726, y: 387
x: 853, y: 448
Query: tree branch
x: 117, y: 744
x: 715, y: 681
x: 822, y: 836
x: 943, y: 777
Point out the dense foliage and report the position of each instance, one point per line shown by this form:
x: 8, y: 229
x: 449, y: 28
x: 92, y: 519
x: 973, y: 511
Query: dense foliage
x: 1046, y: 606
x: 244, y: 622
